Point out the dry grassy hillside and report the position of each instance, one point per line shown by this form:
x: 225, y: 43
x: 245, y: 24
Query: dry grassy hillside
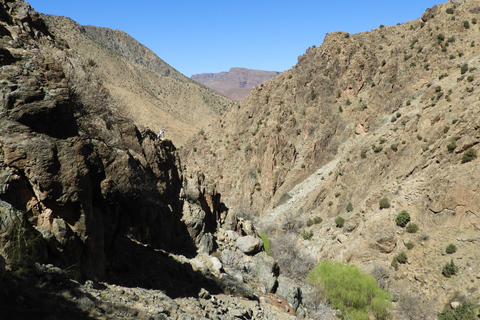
x: 388, y: 113
x: 145, y: 88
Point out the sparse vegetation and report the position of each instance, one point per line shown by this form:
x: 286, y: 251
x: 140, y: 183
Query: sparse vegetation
x: 464, y: 68
x: 349, y: 207
x: 412, y: 227
x: 449, y: 10
x: 363, y: 154
x: 348, y: 289
x: 409, y: 245
x: 465, y: 311
x: 384, y: 203
x: 402, y: 218
x: 451, y: 146
x: 469, y: 155
x: 449, y: 269
x: 266, y: 242
x: 307, y: 234
x: 451, y: 248
x: 339, y: 222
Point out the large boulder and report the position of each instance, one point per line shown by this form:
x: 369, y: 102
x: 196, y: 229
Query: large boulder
x: 249, y: 244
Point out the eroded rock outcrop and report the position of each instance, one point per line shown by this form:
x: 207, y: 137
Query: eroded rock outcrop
x: 83, y: 176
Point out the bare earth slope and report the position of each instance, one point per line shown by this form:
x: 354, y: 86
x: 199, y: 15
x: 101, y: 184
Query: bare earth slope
x: 145, y: 88
x: 235, y: 84
x: 388, y: 113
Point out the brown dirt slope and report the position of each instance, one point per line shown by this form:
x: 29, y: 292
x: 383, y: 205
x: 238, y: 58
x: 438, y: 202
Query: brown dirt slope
x: 387, y: 113
x: 237, y: 83
x: 145, y: 88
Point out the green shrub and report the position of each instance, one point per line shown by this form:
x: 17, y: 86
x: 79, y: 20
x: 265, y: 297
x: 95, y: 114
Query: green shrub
x: 384, y: 203
x: 339, y: 222
x: 440, y: 37
x: 412, y: 227
x: 470, y: 78
x: 309, y: 222
x: 394, y: 263
x: 377, y: 149
x: 337, y: 194
x: 349, y: 207
x: 469, y: 155
x: 307, y: 235
x: 363, y: 154
x: 348, y: 102
x: 449, y: 269
x: 451, y: 248
x: 449, y: 10
x: 317, y: 220
x: 464, y: 68
x: 402, y: 218
x: 466, y: 24
x: 394, y: 147
x: 402, y: 257
x: 465, y: 311
x: 348, y: 289
x: 330, y: 203
x: 409, y: 245
x: 451, y: 146
x: 266, y: 242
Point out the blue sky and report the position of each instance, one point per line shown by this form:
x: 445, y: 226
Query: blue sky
x: 195, y: 36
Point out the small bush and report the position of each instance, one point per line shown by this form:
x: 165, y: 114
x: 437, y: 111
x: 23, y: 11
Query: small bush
x: 307, y: 235
x: 402, y: 218
x: 377, y: 149
x: 309, y: 222
x: 464, y: 68
x: 449, y: 10
x: 469, y: 155
x: 409, y: 245
x: 337, y: 194
x: 349, y: 207
x: 266, y: 242
x: 317, y: 220
x: 402, y: 257
x: 394, y: 147
x: 384, y: 203
x: 449, y: 269
x: 363, y: 154
x: 412, y: 227
x: 451, y: 248
x: 451, y: 146
x: 465, y: 311
x: 339, y: 222
x: 330, y: 203
x: 348, y: 289
x: 466, y: 24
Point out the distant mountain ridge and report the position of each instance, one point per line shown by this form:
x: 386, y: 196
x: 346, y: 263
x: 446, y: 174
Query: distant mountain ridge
x: 145, y: 88
x: 235, y: 84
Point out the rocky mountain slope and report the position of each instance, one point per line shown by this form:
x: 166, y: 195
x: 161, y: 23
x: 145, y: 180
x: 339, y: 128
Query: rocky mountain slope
x: 391, y: 113
x: 145, y: 88
x: 98, y: 218
x: 235, y: 84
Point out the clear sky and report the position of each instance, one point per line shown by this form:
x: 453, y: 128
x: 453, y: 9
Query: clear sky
x: 196, y: 36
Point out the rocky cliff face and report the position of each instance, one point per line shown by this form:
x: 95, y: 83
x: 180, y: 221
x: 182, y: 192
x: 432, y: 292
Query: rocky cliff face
x: 235, y: 84
x: 83, y: 176
x: 387, y: 113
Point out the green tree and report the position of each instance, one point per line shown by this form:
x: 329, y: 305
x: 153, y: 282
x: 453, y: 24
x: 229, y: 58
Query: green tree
x: 348, y: 289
